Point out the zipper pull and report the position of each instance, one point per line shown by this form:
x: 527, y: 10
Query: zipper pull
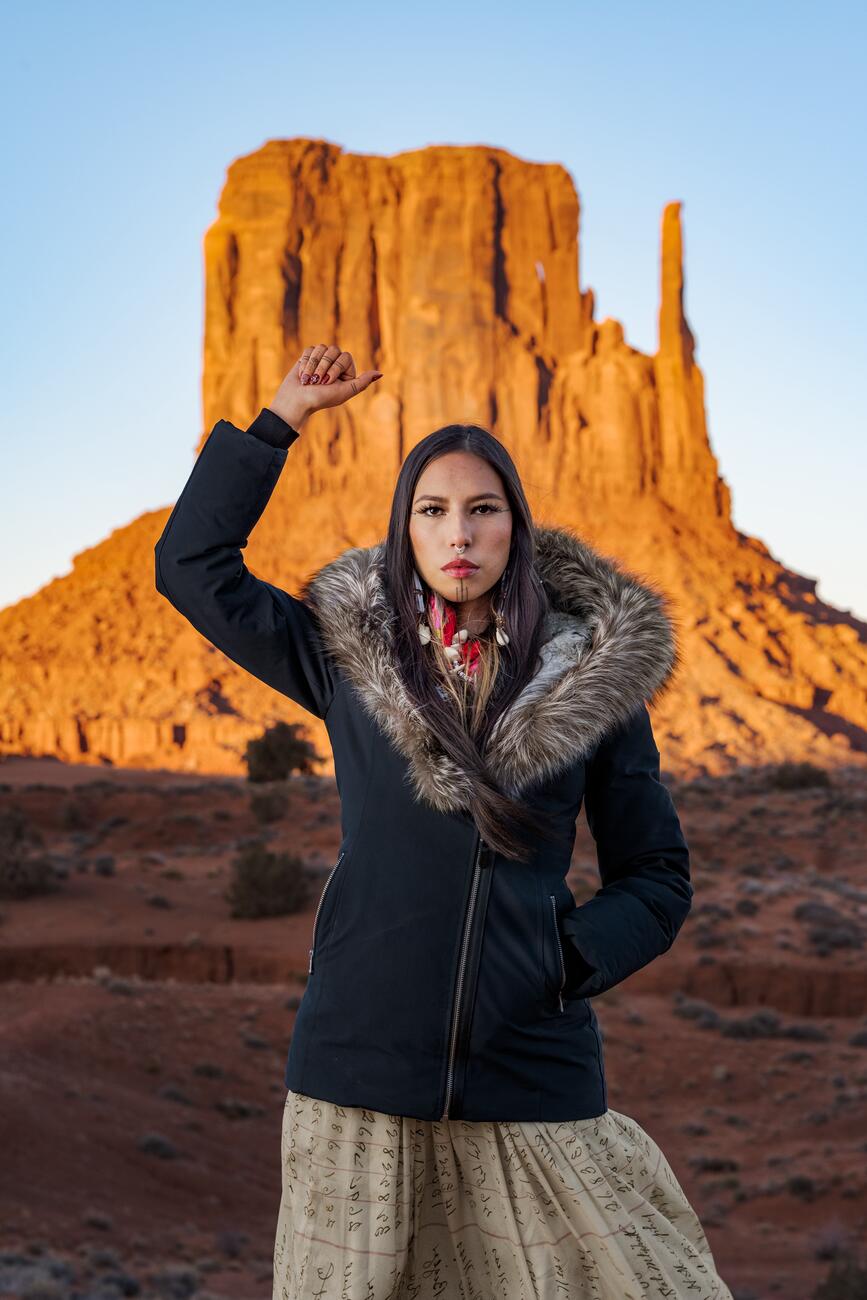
x: 310, y: 967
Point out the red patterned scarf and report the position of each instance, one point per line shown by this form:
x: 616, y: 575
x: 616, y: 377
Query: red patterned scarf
x: 444, y: 623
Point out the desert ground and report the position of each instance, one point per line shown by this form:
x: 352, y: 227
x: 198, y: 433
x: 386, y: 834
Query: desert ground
x: 145, y: 1029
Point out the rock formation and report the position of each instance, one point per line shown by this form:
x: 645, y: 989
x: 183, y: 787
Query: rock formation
x: 456, y: 272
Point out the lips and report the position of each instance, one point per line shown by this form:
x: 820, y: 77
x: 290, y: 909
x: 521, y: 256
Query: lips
x: 460, y: 568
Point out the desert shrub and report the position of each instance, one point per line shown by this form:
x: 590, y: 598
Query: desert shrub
x: 828, y: 927
x: 268, y: 805
x: 231, y: 1242
x: 833, y: 1240
x: 155, y: 1144
x: 706, y: 1016
x: 807, y: 1032
x: 797, y: 776
x: 279, y: 751
x: 234, y: 1108
x: 847, y: 1280
x: 267, y: 884
x: 761, y: 1024
x: 97, y: 1219
x: 175, y: 1282
x: 707, y: 1164
x: 23, y: 872
x: 208, y: 1070
x: 73, y: 816
x: 16, y: 832
x: 705, y: 937
x: 22, y: 877
x: 802, y: 1186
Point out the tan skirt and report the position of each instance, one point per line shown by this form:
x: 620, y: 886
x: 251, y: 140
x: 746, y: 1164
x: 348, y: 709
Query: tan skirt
x: 384, y: 1207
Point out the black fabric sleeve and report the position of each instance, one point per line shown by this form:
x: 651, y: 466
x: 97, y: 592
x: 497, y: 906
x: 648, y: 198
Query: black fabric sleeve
x: 272, y: 428
x: 199, y: 568
x: 643, y: 862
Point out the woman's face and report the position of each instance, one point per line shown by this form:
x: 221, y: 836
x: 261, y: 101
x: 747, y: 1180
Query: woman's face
x: 459, y: 500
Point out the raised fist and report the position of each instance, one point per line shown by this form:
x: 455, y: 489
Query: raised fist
x: 322, y: 376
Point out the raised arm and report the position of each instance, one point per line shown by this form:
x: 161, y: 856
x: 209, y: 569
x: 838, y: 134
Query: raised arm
x: 643, y: 861
x: 199, y: 566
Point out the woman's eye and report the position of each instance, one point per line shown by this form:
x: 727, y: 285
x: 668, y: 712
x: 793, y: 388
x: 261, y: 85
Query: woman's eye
x: 487, y: 506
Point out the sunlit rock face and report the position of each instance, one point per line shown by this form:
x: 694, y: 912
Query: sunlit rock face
x: 455, y: 271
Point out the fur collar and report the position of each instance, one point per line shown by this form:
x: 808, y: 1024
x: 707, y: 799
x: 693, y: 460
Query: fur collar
x: 609, y: 645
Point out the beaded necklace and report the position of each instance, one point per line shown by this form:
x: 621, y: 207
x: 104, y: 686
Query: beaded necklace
x: 462, y: 651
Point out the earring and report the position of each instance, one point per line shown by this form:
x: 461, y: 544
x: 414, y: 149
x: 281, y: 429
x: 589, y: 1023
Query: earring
x: 501, y: 633
x: 424, y: 632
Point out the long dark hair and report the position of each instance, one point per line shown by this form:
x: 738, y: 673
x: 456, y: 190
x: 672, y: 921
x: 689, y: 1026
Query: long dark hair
x: 506, y: 823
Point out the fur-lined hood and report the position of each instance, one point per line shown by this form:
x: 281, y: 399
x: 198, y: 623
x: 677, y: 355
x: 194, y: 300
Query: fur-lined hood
x: 609, y: 644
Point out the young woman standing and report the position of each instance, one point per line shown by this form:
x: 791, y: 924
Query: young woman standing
x: 446, y: 1129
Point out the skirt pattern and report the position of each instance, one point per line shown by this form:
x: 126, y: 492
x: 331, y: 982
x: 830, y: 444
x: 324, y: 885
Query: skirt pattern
x: 386, y: 1207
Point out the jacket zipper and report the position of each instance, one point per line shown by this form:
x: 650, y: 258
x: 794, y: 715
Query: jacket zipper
x: 319, y: 908
x: 462, y: 964
x: 560, y: 1002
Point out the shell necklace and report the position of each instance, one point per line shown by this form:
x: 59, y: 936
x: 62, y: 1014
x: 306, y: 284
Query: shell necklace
x: 462, y: 651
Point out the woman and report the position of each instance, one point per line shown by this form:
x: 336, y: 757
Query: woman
x: 446, y: 1128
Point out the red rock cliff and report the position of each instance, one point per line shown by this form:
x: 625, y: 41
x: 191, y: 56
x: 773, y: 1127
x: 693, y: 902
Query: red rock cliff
x: 456, y: 272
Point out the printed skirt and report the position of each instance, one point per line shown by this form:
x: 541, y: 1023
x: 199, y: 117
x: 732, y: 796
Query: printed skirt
x: 385, y: 1207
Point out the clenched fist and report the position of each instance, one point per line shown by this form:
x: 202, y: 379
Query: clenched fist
x: 322, y: 376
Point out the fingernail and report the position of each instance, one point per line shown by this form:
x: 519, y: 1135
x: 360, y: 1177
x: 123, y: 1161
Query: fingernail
x: 314, y: 379
x: 305, y: 379
x: 325, y: 379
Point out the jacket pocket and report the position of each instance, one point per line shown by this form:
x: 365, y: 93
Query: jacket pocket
x: 558, y: 948
x: 332, y: 873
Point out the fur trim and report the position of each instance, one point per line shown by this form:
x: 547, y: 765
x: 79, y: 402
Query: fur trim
x: 608, y: 646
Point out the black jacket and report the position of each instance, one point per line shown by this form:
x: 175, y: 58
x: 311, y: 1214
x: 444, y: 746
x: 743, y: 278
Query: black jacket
x: 444, y: 978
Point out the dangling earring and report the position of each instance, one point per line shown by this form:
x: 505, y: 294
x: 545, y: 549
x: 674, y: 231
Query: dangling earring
x: 424, y: 633
x: 501, y: 633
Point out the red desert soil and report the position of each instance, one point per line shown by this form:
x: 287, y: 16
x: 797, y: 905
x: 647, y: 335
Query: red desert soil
x: 144, y: 1043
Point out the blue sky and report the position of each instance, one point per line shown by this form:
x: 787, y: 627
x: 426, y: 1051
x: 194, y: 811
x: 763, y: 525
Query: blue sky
x: 120, y: 123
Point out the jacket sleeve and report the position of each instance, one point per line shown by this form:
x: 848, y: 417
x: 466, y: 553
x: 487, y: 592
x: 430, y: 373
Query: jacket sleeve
x: 643, y: 862
x: 200, y: 569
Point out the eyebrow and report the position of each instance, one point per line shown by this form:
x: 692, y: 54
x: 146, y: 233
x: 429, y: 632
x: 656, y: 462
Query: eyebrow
x: 427, y: 496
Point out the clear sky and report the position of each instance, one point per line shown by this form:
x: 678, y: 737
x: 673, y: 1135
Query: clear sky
x: 120, y: 123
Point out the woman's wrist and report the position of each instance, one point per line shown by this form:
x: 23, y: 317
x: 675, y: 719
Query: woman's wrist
x: 292, y: 412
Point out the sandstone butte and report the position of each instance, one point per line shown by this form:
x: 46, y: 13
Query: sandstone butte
x: 455, y: 270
